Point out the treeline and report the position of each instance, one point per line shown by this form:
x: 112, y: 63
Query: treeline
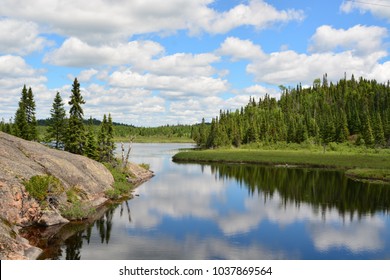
x: 167, y: 131
x: 70, y: 133
x: 350, y: 110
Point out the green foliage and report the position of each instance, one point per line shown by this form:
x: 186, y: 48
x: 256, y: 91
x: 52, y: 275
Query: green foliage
x: 91, y: 147
x: 41, y: 187
x: 77, y: 210
x: 324, y: 113
x: 122, y: 186
x: 75, y: 141
x: 106, y: 145
x: 145, y: 166
x: 25, y: 125
x: 57, y: 124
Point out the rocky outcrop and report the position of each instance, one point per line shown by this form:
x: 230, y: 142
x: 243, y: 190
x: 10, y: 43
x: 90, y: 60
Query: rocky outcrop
x: 19, y: 161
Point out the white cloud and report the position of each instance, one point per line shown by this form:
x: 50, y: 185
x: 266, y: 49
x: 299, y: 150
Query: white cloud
x: 14, y: 74
x: 360, y: 57
x: 181, y: 64
x: 240, y: 49
x: 77, y: 53
x: 360, y: 39
x: 378, y: 8
x: 257, y: 13
x: 86, y: 75
x: 20, y: 37
x: 193, y: 85
x: 103, y: 20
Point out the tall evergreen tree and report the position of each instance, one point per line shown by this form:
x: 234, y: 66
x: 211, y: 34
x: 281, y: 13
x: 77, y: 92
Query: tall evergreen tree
x: 57, y: 124
x: 110, y: 138
x: 75, y: 142
x: 25, y: 122
x: 20, y: 125
x: 32, y: 133
x: 91, y: 147
x: 106, y: 145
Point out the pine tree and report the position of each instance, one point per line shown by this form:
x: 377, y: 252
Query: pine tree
x: 20, y: 125
x: 367, y: 130
x: 91, y: 147
x: 379, y: 135
x: 32, y: 133
x: 75, y: 142
x: 57, y: 124
x: 110, y: 138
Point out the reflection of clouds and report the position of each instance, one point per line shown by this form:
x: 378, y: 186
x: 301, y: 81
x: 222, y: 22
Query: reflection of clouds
x: 146, y: 248
x: 364, y: 235
x: 183, y: 190
x: 326, y: 228
x: 174, y: 197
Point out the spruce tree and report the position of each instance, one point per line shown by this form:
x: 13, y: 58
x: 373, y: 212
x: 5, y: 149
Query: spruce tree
x: 91, y: 147
x: 106, y: 145
x: 75, y: 142
x: 20, y: 125
x: 32, y: 133
x: 379, y: 135
x: 110, y: 138
x: 57, y: 124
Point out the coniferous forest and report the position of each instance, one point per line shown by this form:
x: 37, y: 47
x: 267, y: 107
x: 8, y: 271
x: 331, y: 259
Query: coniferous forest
x: 354, y: 110
x: 68, y: 133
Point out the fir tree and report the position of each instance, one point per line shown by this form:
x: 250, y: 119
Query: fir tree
x: 106, y: 145
x: 110, y: 138
x: 57, y: 123
x: 32, y: 133
x: 20, y: 125
x: 75, y: 142
x: 91, y: 147
x: 379, y: 135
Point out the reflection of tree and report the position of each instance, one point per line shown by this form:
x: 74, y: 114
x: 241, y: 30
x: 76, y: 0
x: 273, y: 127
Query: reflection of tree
x: 104, y: 226
x: 323, y: 189
x: 128, y: 210
x: 73, y: 247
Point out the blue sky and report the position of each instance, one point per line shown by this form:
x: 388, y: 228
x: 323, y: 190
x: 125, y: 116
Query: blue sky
x: 151, y: 62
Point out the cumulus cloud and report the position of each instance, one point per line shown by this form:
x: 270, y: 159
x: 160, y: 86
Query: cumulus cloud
x: 378, y: 8
x: 360, y: 57
x: 76, y: 53
x: 257, y: 13
x: 103, y: 20
x: 360, y: 39
x: 240, y: 49
x: 194, y: 85
x: 20, y: 37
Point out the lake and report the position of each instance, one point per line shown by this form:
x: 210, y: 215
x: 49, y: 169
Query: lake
x: 233, y: 211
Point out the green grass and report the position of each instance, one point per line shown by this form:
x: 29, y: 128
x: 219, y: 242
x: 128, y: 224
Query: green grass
x: 376, y: 165
x: 122, y: 187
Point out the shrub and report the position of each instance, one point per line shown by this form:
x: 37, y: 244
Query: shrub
x: 41, y: 187
x: 77, y: 210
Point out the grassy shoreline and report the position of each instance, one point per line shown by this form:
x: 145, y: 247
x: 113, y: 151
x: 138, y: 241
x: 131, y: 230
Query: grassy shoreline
x: 365, y: 166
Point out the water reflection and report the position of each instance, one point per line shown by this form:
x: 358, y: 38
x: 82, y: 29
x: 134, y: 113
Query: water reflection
x: 191, y: 211
x: 322, y: 189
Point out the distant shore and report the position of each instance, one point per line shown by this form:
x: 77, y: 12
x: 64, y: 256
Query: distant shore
x: 360, y: 166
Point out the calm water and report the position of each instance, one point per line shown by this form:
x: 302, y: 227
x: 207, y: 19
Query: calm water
x: 193, y: 211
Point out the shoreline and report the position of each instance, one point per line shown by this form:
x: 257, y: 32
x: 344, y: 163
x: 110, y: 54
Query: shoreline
x: 369, y: 167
